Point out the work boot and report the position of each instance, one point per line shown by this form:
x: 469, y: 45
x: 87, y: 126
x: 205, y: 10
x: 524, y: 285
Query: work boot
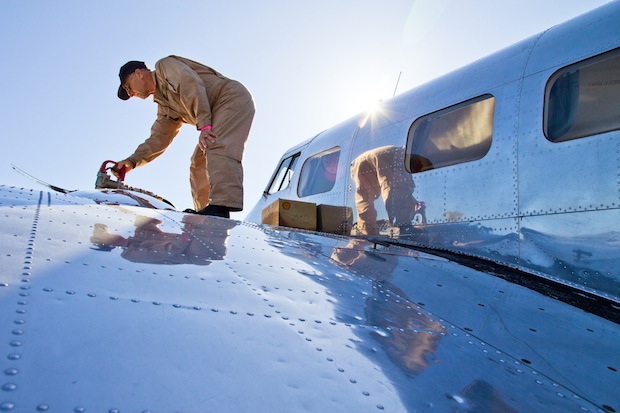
x: 216, y: 211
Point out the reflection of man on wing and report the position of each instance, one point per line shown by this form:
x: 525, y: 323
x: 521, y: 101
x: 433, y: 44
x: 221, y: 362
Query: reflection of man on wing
x: 200, y: 242
x: 409, y: 337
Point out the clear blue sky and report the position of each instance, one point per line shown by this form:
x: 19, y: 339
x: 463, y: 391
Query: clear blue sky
x: 309, y: 65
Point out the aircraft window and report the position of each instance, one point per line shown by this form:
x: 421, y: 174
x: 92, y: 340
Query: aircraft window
x: 318, y: 174
x: 582, y: 99
x: 284, y: 174
x: 451, y: 136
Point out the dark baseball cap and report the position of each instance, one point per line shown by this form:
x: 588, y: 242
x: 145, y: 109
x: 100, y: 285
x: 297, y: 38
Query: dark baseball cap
x: 127, y: 69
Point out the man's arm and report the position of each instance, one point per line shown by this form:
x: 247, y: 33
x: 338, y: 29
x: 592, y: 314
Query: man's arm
x: 163, y: 132
x: 191, y: 91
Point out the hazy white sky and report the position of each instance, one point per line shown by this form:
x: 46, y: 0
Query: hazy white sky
x: 309, y: 65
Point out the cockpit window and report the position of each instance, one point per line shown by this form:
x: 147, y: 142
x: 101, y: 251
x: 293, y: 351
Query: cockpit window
x: 454, y: 135
x: 318, y: 173
x: 582, y: 99
x: 284, y: 174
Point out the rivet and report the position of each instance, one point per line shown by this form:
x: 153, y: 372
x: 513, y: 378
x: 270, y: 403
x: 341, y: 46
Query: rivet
x: 11, y: 372
x: 9, y: 387
x: 6, y: 406
x: 43, y: 407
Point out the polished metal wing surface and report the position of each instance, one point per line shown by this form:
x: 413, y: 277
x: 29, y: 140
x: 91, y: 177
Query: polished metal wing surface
x: 113, y: 308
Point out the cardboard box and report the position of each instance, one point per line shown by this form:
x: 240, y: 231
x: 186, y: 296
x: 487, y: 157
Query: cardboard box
x: 334, y: 219
x: 293, y: 214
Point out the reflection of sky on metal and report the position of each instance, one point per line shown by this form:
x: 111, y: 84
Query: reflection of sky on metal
x: 422, y: 18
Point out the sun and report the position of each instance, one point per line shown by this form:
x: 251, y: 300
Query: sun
x: 373, y: 105
x: 364, y: 96
x: 373, y: 109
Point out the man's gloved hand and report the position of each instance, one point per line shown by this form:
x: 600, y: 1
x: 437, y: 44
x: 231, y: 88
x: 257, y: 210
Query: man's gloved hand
x: 125, y: 164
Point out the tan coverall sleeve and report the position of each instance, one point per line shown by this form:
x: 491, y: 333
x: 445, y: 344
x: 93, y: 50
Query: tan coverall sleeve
x: 163, y: 133
x: 187, y: 88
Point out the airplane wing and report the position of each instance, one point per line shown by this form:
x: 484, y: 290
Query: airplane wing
x: 120, y: 308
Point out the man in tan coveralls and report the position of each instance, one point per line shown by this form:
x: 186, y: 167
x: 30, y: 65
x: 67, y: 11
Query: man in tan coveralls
x: 221, y: 109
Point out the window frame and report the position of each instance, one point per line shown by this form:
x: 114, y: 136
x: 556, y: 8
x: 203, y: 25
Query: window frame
x: 425, y: 164
x: 306, y: 188
x: 289, y: 172
x: 580, y: 103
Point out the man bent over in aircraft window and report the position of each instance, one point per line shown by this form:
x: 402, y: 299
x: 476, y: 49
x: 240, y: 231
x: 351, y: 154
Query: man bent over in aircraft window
x: 381, y: 172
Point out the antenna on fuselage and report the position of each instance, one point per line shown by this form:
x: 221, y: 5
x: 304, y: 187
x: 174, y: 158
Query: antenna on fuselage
x: 397, y: 81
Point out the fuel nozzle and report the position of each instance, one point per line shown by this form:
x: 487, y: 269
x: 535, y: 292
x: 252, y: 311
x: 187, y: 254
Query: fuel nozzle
x: 105, y: 181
